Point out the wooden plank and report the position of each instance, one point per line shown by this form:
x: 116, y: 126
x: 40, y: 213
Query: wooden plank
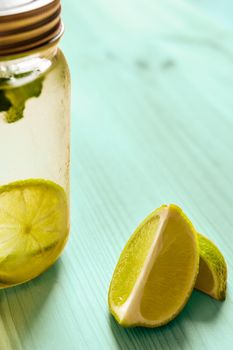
x: 152, y: 124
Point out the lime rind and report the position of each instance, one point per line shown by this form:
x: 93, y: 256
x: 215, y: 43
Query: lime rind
x: 32, y: 182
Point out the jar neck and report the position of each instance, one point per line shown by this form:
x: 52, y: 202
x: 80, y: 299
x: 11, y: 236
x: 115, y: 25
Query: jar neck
x: 20, y: 70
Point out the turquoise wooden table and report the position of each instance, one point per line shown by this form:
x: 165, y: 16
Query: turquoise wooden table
x: 152, y: 123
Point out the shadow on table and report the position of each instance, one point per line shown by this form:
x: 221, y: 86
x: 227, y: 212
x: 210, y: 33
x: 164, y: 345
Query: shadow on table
x: 199, y: 309
x: 26, y: 302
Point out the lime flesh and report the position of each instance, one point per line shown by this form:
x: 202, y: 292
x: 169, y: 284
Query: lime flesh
x: 34, y: 227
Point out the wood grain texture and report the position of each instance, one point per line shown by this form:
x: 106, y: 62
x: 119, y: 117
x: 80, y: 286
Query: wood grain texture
x: 152, y: 123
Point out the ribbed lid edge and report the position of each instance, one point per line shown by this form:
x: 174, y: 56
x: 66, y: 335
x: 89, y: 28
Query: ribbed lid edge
x: 29, y: 26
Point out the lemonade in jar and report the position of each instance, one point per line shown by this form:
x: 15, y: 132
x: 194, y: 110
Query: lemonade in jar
x: 34, y: 139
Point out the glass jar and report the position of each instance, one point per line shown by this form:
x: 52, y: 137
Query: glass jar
x: 34, y: 140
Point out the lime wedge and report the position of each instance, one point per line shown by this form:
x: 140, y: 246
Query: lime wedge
x: 212, y: 276
x: 157, y: 270
x: 33, y: 229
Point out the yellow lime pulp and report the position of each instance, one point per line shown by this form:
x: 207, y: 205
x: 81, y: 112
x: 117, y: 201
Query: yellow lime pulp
x: 34, y: 226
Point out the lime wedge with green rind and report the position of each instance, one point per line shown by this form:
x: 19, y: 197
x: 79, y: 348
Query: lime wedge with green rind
x: 212, y: 276
x: 156, y: 271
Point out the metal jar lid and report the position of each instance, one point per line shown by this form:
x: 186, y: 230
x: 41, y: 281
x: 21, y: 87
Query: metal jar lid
x: 26, y: 25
